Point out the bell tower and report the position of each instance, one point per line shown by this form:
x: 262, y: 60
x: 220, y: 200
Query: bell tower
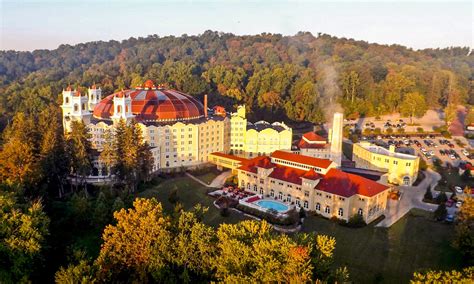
x: 95, y: 96
x: 75, y: 108
x: 122, y: 107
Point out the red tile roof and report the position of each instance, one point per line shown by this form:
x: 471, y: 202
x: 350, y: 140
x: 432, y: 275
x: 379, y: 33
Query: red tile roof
x: 312, y: 174
x: 345, y: 184
x: 313, y: 137
x: 305, y: 145
x: 252, y: 164
x: 287, y: 174
x: 310, y: 161
x: 232, y: 157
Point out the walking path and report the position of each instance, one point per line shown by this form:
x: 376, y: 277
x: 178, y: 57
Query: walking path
x: 216, y: 183
x: 411, y: 198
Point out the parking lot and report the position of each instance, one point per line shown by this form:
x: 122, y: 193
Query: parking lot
x: 429, y: 147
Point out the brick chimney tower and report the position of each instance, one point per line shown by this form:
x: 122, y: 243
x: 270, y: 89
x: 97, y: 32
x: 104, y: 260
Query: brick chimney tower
x: 205, y: 106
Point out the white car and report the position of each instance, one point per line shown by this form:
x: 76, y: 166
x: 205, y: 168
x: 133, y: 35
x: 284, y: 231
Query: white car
x: 458, y: 204
x: 466, y: 153
x: 458, y: 189
x: 452, y: 157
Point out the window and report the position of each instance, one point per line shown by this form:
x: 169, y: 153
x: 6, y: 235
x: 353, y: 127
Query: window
x: 255, y: 188
x: 66, y: 100
x: 76, y: 107
x: 360, y: 211
x: 298, y: 202
x: 408, y: 164
x: 305, y: 204
x: 288, y: 198
x: 280, y: 195
x: 261, y: 190
x: 327, y: 210
x: 272, y: 193
x: 395, y: 162
x: 306, y: 193
x: 340, y: 212
x: 318, y: 207
x: 248, y: 186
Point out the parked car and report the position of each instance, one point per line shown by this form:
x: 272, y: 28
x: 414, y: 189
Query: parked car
x: 458, y: 189
x: 465, y: 152
x: 458, y: 204
x: 449, y: 218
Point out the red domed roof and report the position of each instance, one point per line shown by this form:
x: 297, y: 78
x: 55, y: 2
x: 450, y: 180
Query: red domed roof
x: 159, y: 105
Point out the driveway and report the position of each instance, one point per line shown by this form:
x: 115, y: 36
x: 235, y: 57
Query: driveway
x: 220, y: 179
x: 411, y: 198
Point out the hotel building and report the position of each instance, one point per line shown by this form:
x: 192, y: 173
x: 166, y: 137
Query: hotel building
x: 401, y: 169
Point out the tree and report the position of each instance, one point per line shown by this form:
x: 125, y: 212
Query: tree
x: 79, y: 151
x: 101, y: 211
x: 138, y: 244
x: 428, y: 195
x: 464, y: 237
x: 440, y: 212
x: 83, y: 273
x: 431, y: 276
x: 413, y: 105
x: 23, y: 232
x: 350, y: 85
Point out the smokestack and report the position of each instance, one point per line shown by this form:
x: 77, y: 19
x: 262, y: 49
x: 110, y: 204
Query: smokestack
x: 336, y: 138
x: 205, y: 106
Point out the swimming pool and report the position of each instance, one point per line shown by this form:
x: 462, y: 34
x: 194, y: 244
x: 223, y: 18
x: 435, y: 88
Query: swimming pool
x: 269, y: 204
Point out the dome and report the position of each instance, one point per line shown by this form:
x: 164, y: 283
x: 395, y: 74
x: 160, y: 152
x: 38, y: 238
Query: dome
x: 151, y: 104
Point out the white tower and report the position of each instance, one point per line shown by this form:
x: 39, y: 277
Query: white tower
x: 95, y: 96
x: 122, y: 107
x: 75, y: 108
x: 336, y: 138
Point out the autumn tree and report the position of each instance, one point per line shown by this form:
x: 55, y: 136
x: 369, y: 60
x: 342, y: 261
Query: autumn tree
x: 23, y: 232
x: 413, y: 105
x: 79, y: 150
x: 464, y: 238
x: 350, y: 85
x: 431, y: 276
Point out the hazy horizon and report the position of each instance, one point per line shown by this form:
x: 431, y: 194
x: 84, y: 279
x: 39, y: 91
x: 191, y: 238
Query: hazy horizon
x: 417, y: 25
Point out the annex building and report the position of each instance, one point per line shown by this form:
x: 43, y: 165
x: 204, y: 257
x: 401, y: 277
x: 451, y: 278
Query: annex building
x: 179, y: 129
x: 401, y: 169
x: 314, y: 184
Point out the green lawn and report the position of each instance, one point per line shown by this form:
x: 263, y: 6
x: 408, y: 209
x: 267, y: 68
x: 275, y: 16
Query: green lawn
x: 207, y: 177
x: 190, y: 193
x: 390, y: 255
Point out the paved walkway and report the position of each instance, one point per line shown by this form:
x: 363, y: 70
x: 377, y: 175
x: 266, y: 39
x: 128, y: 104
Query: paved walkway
x: 411, y: 198
x: 218, y: 181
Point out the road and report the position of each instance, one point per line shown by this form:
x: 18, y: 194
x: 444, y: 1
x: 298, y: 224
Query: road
x: 412, y: 197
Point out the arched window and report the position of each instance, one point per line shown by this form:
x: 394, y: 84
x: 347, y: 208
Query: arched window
x: 360, y: 212
x: 272, y: 193
x: 305, y: 204
x: 280, y: 195
x: 288, y: 198
x: 298, y: 202
x: 327, y: 210
x: 340, y: 212
x: 92, y: 97
x: 255, y: 187
x: 248, y: 186
x: 318, y: 207
x: 261, y: 190
x: 76, y: 108
x: 66, y: 100
x: 83, y: 106
x: 119, y: 109
x: 406, y: 180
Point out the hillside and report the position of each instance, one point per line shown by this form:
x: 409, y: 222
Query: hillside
x: 296, y: 78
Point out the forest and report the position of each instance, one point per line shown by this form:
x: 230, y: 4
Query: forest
x: 294, y: 78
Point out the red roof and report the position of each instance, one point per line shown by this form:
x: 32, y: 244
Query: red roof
x: 313, y: 137
x: 232, y: 157
x: 287, y: 174
x: 345, y: 184
x: 260, y: 162
x: 310, y: 161
x: 312, y: 174
x: 154, y: 105
x: 305, y: 145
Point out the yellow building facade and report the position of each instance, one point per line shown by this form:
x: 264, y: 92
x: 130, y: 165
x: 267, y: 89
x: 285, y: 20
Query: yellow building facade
x: 401, y: 169
x: 259, y: 138
x: 314, y: 185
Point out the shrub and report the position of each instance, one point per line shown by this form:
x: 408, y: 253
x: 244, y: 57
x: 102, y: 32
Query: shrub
x: 420, y: 130
x: 173, y: 196
x: 401, y: 130
x: 377, y: 130
x: 428, y: 195
x: 356, y: 221
x: 442, y: 198
x: 423, y: 165
x: 354, y: 138
x: 440, y: 212
x: 389, y: 130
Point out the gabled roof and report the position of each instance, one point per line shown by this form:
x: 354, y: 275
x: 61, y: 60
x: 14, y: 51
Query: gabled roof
x: 312, y: 174
x: 258, y: 162
x: 344, y: 184
x: 287, y: 174
x: 313, y: 137
x: 310, y: 161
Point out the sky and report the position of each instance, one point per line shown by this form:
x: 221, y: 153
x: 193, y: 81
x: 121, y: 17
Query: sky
x: 39, y: 24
